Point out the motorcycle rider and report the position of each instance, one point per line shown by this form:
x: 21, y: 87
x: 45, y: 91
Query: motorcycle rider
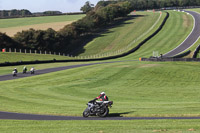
x: 102, y: 97
x: 24, y: 69
x: 15, y: 72
x: 32, y: 70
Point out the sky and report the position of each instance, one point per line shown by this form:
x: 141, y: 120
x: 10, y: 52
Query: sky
x: 45, y: 5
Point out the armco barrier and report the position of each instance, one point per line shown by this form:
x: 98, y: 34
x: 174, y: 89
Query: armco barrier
x: 196, y: 52
x: 183, y: 54
x: 97, y: 59
x: 171, y: 59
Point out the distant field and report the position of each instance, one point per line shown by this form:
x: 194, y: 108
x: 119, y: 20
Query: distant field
x: 12, y: 26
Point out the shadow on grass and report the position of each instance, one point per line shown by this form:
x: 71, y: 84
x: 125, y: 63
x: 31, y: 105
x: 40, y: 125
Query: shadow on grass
x: 118, y: 114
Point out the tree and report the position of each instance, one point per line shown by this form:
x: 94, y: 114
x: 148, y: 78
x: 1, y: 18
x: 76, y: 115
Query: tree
x: 7, y: 42
x: 87, y: 7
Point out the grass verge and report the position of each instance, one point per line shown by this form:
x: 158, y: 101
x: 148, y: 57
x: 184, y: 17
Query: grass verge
x: 142, y: 126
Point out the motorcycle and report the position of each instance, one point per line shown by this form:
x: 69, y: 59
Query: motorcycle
x: 24, y: 71
x: 32, y: 71
x: 97, y: 108
x: 14, y: 73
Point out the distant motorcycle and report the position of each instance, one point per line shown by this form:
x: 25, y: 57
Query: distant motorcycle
x: 14, y: 73
x: 24, y: 71
x: 32, y: 71
x: 97, y: 108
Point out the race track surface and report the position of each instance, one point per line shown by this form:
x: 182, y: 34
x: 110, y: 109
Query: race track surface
x: 190, y: 40
x: 49, y: 70
x: 20, y: 116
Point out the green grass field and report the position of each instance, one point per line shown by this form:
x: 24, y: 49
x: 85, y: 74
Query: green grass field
x: 137, y: 89
x: 16, y: 57
x: 17, y: 22
x: 123, y: 34
x: 135, y: 126
x: 195, y: 9
x: 177, y: 28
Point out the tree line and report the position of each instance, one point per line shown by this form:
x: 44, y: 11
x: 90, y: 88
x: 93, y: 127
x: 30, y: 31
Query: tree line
x: 157, y: 4
x: 14, y: 13
x: 26, y: 13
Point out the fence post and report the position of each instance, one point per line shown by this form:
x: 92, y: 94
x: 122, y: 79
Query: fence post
x: 25, y: 51
x: 20, y: 50
x: 10, y: 50
x: 35, y: 51
x: 40, y: 52
x: 30, y: 51
x: 15, y: 50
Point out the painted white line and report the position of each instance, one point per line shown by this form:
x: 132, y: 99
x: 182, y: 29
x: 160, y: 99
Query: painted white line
x: 186, y: 38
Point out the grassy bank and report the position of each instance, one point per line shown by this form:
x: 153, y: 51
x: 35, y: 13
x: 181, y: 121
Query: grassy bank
x: 138, y: 88
x: 177, y: 28
x: 122, y: 35
x: 141, y: 126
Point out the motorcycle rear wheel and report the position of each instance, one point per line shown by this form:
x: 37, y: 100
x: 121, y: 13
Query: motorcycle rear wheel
x: 104, y: 113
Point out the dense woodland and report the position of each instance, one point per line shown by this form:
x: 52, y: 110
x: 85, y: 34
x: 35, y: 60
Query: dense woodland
x: 156, y: 4
x: 73, y: 36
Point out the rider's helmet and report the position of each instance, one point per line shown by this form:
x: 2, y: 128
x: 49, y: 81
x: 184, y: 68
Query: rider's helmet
x: 102, y: 93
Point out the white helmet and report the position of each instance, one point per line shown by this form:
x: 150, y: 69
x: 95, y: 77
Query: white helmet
x: 102, y: 93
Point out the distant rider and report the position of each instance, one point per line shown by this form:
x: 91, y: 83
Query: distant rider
x: 24, y: 69
x: 32, y: 70
x: 15, y: 72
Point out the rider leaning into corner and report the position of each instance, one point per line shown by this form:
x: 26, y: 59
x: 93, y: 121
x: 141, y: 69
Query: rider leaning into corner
x: 102, y: 97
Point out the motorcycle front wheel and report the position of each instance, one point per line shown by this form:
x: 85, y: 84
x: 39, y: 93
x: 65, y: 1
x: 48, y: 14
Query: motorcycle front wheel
x: 86, y: 113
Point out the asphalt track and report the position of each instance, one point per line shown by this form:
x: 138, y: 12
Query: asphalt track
x: 190, y: 40
x: 20, y: 116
